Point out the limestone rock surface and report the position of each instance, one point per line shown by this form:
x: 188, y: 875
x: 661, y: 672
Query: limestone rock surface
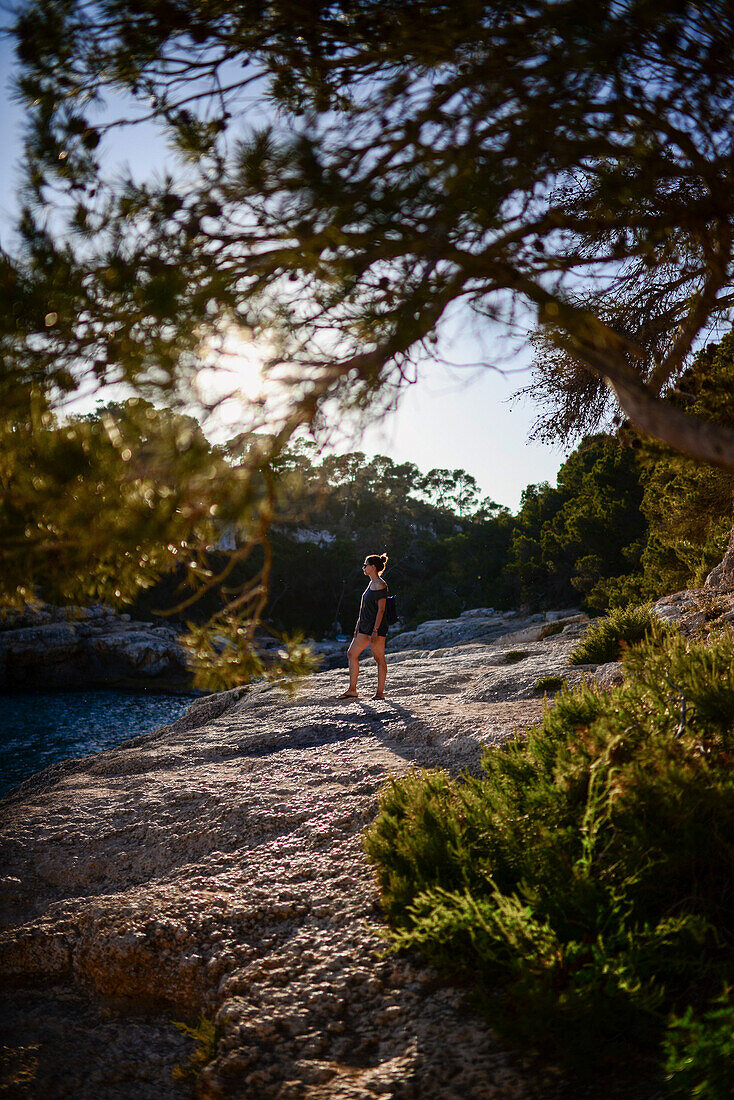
x: 610, y: 674
x: 703, y: 610
x: 722, y: 576
x: 486, y: 625
x: 697, y: 611
x: 53, y: 647
x: 215, y: 867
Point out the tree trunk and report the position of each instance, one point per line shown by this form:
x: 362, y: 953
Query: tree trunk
x: 701, y: 439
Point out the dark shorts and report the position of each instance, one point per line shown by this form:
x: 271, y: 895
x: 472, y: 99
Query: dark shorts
x: 367, y: 628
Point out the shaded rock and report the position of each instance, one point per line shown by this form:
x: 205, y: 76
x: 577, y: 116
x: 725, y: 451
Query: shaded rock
x: 562, y: 624
x: 55, y: 647
x: 576, y: 628
x: 573, y: 613
x: 722, y: 575
x: 143, y: 1048
x: 527, y: 634
x: 610, y: 674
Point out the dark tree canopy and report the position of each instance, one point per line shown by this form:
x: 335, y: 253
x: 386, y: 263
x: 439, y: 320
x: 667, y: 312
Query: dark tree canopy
x: 570, y: 157
x: 344, y: 175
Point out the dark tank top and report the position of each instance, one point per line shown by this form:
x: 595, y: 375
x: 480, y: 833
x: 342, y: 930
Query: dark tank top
x: 368, y: 609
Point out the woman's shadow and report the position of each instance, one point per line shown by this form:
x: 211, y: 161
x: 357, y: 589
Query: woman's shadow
x: 398, y: 726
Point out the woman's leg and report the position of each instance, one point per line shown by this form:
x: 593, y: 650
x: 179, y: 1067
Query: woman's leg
x: 378, y: 652
x: 358, y: 643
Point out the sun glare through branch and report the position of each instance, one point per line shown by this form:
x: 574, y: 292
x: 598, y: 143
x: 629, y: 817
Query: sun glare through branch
x: 236, y: 383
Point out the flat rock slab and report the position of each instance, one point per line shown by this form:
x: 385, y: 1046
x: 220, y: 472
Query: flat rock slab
x: 215, y: 867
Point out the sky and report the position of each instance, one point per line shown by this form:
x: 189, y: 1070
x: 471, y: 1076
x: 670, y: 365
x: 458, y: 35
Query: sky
x: 452, y: 417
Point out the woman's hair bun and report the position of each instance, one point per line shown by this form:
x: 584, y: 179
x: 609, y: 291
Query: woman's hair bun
x: 378, y: 560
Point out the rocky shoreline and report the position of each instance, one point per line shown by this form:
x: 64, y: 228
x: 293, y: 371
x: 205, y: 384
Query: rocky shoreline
x: 47, y: 648
x: 215, y: 868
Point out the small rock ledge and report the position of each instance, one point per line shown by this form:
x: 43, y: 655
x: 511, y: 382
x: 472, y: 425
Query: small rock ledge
x: 698, y: 611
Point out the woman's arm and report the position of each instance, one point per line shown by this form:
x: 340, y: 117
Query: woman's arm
x: 381, y: 605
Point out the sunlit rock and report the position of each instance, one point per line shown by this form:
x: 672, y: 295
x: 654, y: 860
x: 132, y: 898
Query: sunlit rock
x: 215, y: 867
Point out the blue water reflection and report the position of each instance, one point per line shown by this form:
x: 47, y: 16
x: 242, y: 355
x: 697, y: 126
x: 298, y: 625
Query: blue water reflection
x: 41, y: 729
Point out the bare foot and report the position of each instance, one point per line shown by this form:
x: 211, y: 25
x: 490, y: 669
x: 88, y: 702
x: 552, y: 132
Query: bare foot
x: 349, y: 695
x: 378, y: 695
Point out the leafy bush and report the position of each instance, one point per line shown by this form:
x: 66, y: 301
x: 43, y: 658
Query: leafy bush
x: 585, y: 877
x: 700, y: 1053
x: 606, y: 638
x: 514, y: 655
x: 549, y: 683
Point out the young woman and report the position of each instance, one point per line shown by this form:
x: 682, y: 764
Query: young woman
x: 371, y: 629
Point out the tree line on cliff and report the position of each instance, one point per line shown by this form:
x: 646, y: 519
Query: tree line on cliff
x: 630, y: 519
x: 627, y: 521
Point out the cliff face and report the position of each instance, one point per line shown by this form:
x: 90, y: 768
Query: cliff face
x: 215, y: 866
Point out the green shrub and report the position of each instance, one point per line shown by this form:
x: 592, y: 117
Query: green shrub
x: 606, y: 638
x: 206, y: 1038
x: 514, y: 655
x: 549, y: 683
x: 585, y: 877
x: 700, y: 1053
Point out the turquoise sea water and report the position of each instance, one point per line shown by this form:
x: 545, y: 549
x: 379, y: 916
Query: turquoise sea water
x: 41, y: 729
